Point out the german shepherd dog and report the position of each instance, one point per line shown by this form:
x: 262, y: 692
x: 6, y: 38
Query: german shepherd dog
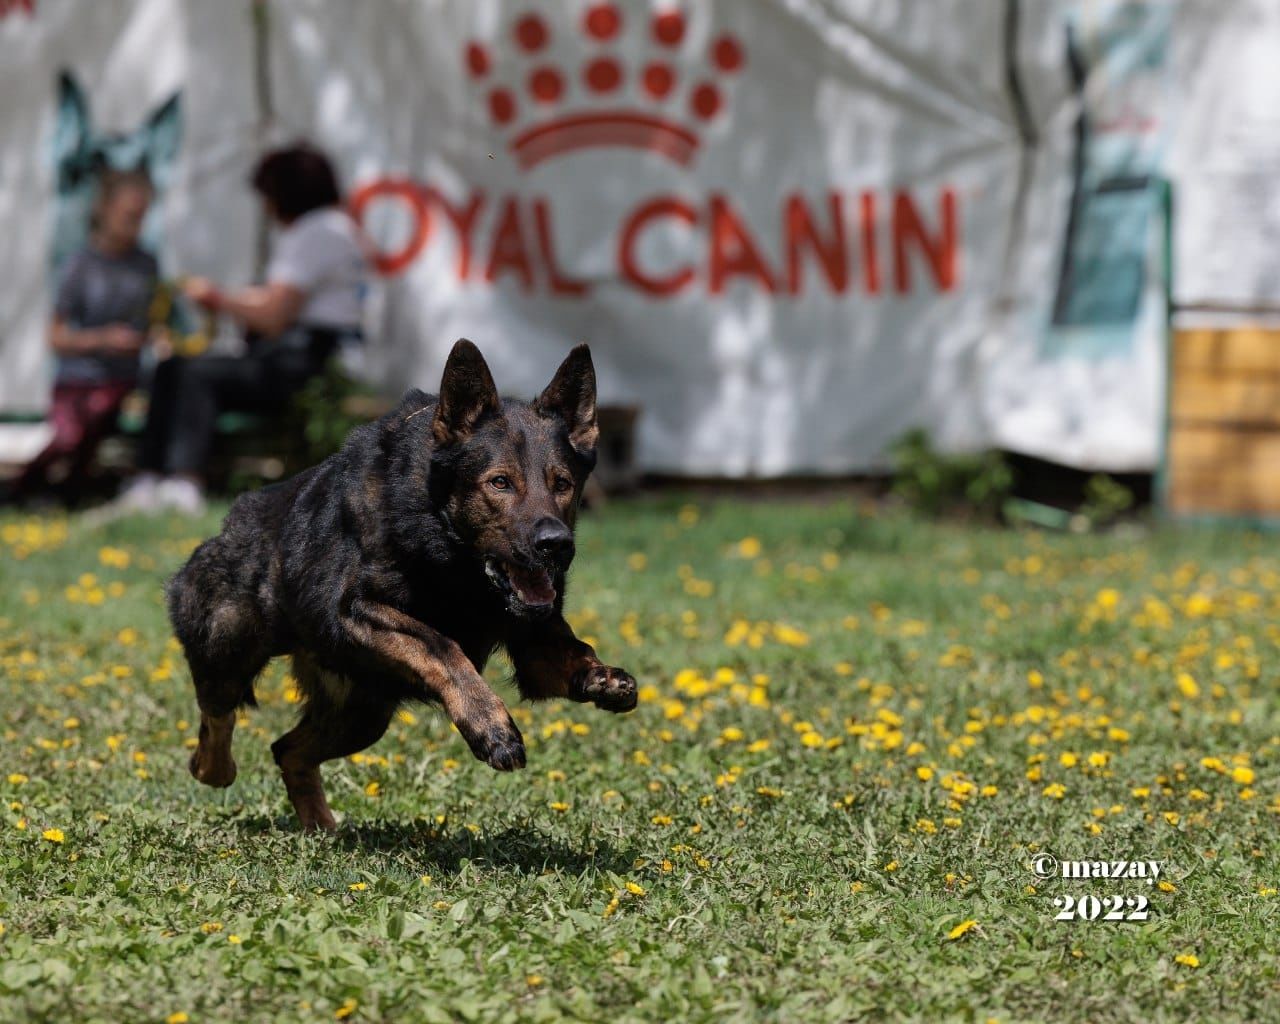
x: 393, y: 570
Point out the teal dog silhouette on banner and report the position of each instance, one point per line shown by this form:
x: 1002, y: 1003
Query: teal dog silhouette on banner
x: 81, y: 154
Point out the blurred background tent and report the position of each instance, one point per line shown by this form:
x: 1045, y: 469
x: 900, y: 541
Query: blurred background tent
x: 791, y: 230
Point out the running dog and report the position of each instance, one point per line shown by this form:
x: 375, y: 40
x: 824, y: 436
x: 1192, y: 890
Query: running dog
x: 391, y: 572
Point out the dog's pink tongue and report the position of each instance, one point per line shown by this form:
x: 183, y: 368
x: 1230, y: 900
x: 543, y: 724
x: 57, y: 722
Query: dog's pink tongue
x: 533, y: 585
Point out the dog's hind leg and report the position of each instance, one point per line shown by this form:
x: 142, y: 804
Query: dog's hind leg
x: 222, y: 687
x: 226, y: 644
x: 337, y: 722
x: 211, y: 762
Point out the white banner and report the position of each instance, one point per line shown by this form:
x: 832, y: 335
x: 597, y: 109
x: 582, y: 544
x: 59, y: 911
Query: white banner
x: 160, y: 85
x: 790, y: 230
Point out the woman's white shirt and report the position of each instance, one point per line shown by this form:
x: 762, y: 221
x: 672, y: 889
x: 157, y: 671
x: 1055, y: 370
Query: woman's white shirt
x: 321, y: 254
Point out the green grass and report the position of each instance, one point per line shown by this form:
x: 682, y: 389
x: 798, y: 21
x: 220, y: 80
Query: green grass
x: 797, y: 848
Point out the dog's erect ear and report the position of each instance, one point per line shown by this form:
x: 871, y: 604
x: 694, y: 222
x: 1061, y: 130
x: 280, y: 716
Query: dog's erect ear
x: 467, y: 394
x: 163, y: 139
x: 72, y: 131
x: 571, y: 395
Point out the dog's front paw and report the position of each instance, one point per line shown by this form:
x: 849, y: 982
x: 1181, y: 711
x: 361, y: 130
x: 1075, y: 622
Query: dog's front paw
x: 499, y: 746
x: 611, y: 689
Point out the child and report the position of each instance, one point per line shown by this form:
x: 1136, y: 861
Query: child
x: 99, y: 326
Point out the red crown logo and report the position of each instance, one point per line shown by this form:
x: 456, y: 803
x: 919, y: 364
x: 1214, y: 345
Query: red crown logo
x: 545, y: 126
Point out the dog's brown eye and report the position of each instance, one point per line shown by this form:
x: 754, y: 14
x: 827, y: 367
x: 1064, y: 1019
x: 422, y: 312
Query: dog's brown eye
x: 502, y: 483
x: 562, y: 485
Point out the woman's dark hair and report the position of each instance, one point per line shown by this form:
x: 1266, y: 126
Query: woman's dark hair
x: 296, y: 180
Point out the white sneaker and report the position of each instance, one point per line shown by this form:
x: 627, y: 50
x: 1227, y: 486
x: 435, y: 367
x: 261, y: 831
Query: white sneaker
x: 177, y: 494
x: 140, y: 496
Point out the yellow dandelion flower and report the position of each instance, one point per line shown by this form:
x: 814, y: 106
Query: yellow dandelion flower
x: 177, y: 1018
x: 1187, y: 960
x: 924, y: 773
x: 1164, y: 886
x: 235, y: 940
x: 54, y: 835
x: 634, y: 889
x: 347, y: 1008
x: 1187, y: 685
x: 963, y: 928
x: 210, y: 927
x: 1241, y: 775
x: 358, y: 886
x: 533, y: 980
x: 789, y: 635
x: 749, y: 547
x: 17, y: 779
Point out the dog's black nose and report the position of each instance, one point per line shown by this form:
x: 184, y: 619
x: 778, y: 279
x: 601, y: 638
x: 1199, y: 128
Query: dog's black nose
x: 553, y: 540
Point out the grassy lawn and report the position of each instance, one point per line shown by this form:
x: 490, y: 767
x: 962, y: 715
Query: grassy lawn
x: 856, y: 734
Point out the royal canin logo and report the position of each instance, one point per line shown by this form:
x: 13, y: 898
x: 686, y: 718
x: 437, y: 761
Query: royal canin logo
x: 652, y: 124
x: 872, y: 241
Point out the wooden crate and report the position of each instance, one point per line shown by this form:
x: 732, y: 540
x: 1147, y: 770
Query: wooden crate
x: 1223, y: 451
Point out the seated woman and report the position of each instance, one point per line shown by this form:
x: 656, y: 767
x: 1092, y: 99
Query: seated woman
x: 308, y: 310
x: 99, y: 326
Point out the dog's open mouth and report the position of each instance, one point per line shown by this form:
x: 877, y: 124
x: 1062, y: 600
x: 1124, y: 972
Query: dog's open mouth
x: 531, y: 586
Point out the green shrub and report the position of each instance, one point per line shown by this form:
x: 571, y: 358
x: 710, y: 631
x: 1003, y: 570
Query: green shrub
x: 329, y: 407
x: 932, y: 482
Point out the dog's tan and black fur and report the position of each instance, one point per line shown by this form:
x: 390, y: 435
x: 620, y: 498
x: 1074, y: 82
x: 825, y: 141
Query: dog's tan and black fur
x: 392, y: 571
